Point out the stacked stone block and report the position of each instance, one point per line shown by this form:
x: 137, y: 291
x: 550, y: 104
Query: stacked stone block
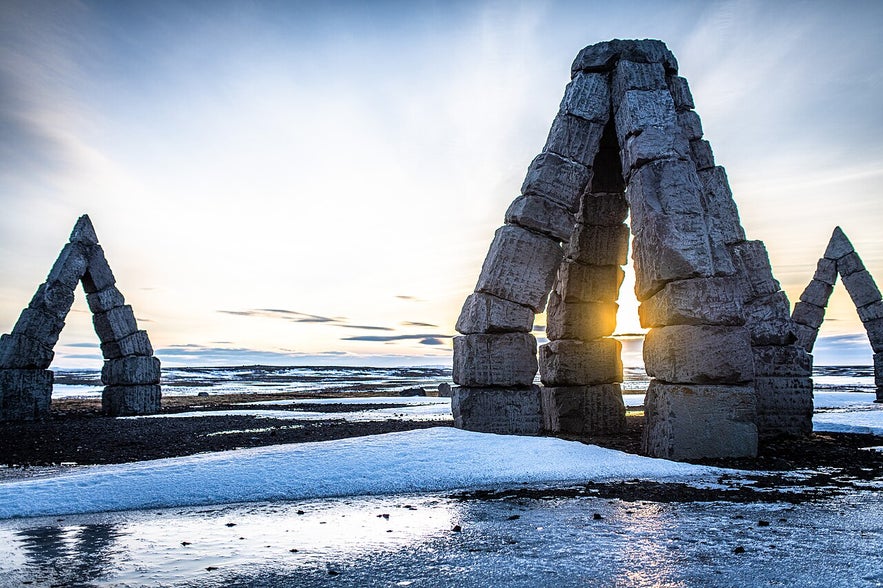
x: 130, y: 373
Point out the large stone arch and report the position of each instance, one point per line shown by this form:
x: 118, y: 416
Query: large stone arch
x: 131, y: 374
x: 841, y: 259
x: 626, y: 141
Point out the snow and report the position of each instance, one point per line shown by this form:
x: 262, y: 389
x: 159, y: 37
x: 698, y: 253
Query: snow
x: 866, y: 421
x: 435, y: 459
x: 823, y: 399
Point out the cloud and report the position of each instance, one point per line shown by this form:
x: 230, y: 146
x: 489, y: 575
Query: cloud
x: 389, y: 338
x: 416, y: 324
x: 539, y: 328
x: 431, y: 341
x: 407, y: 297
x: 279, y: 313
x: 366, y: 327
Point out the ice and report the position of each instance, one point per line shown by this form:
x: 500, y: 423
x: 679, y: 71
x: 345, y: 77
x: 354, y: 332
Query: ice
x: 868, y: 421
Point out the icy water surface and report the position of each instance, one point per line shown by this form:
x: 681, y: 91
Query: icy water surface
x: 435, y: 540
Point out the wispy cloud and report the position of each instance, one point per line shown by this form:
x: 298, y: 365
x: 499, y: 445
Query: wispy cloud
x: 303, y: 317
x: 416, y: 324
x: 424, y: 338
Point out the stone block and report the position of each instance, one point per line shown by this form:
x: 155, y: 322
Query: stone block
x: 98, y: 275
x: 651, y: 144
x: 664, y: 188
x: 69, y: 267
x: 131, y: 400
x: 53, y: 298
x: 541, y: 215
x: 849, y: 264
x: 25, y: 394
x: 629, y: 75
x: 701, y: 154
x: 861, y: 288
x: 640, y: 110
x: 806, y: 336
x: 781, y: 361
x: 579, y: 320
x: 512, y: 411
x: 607, y: 209
x: 557, y: 179
x: 874, y: 328
x: 826, y: 271
x: 680, y: 93
x: 587, y: 96
x: 520, y: 267
x: 580, y: 363
x: 589, y: 283
x: 870, y: 312
x: 698, y: 354
x: 817, y: 293
x: 879, y: 399
x: 838, y: 246
x: 720, y: 209
x: 584, y: 410
x: 21, y: 352
x: 700, y: 301
x: 784, y: 407
x: 115, y: 324
x: 602, y: 57
x: 134, y: 370
x: 84, y: 232
x: 105, y: 300
x: 575, y: 138
x: 808, y: 314
x: 690, y: 421
x: 483, y: 313
x: 135, y: 344
x: 768, y: 320
x: 599, y: 244
x: 504, y: 360
x: 690, y: 125
x: 40, y: 325
x: 753, y: 266
x: 878, y: 370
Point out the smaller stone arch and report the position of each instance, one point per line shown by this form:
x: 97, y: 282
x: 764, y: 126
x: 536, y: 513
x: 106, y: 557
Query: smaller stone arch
x: 841, y: 259
x: 131, y: 373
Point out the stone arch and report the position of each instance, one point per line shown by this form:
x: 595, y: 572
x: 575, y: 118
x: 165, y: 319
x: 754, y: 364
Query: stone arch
x: 841, y: 259
x: 626, y: 141
x: 131, y: 373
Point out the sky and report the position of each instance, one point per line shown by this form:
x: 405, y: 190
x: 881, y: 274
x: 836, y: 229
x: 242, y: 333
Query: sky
x: 318, y: 182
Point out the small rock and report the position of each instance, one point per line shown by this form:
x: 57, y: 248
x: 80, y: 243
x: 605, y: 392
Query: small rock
x: 203, y: 393
x: 513, y: 517
x: 211, y: 568
x: 456, y: 528
x: 597, y: 516
x: 383, y: 516
x: 333, y: 572
x: 185, y: 543
x: 413, y: 392
x: 230, y: 525
x: 300, y: 512
x: 763, y: 523
x: 292, y: 551
x: 739, y: 549
x: 444, y: 390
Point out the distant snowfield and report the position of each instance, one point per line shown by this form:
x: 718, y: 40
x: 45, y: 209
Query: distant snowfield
x: 435, y: 459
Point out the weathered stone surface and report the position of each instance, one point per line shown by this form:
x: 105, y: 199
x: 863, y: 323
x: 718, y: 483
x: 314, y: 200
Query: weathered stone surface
x: 781, y: 360
x: 105, y: 300
x: 134, y: 370
x: 604, y: 56
x: 135, y: 344
x: 98, y: 275
x: 806, y: 336
x: 680, y: 92
x: 720, y: 208
x: 700, y: 301
x: 874, y: 328
x: 24, y: 394
x: 629, y: 75
x: 589, y: 283
x: 654, y: 143
x: 541, y: 215
x: 861, y: 288
x: 878, y: 370
x: 579, y: 320
x: 21, y: 352
x: 849, y: 264
x: 603, y: 209
x: 871, y: 311
x: 587, y: 96
x: 698, y: 354
x: 515, y: 411
x: 817, y: 292
x: 506, y: 359
x: 690, y: 125
x: 131, y: 400
x: 640, y: 110
x: 664, y: 188
x: 483, y: 313
x: 768, y: 320
x: 826, y: 271
x: 580, y: 363
x: 784, y: 407
x: 54, y: 298
x: 557, y: 179
x: 115, y: 324
x: 584, y: 410
x: 690, y: 421
x: 70, y: 266
x: 701, y: 154
x: 808, y: 314
x: 575, y: 138
x: 838, y: 246
x: 40, y: 325
x: 520, y: 267
x: 753, y: 267
x: 84, y: 232
x: 599, y: 245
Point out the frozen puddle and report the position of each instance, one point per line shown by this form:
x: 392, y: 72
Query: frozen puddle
x: 413, y: 540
